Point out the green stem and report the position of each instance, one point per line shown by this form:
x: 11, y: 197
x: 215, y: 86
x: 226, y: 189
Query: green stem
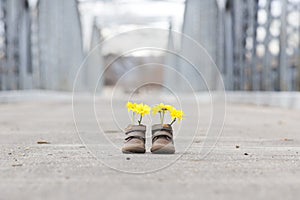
x: 160, y: 118
x: 173, y: 121
x: 163, y: 117
x: 132, y: 118
x: 140, y: 120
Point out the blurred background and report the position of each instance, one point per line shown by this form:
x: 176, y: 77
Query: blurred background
x: 255, y: 43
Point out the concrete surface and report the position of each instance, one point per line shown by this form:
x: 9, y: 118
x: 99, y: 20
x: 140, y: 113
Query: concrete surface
x: 256, y: 157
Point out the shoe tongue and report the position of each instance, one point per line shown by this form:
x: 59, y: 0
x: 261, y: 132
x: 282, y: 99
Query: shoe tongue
x: 131, y: 127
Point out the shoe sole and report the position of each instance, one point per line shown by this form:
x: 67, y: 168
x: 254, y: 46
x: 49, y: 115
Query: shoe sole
x: 133, y: 150
x: 162, y: 150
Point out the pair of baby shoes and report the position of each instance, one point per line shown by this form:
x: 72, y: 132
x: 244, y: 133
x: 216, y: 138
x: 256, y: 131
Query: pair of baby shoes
x: 162, y: 139
x: 162, y: 134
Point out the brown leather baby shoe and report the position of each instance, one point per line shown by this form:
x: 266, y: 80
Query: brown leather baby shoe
x: 162, y: 139
x: 135, y: 139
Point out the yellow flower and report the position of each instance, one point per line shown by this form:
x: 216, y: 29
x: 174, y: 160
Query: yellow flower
x: 162, y: 108
x: 169, y: 108
x: 142, y: 109
x: 177, y: 114
x: 131, y: 106
x: 155, y: 110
